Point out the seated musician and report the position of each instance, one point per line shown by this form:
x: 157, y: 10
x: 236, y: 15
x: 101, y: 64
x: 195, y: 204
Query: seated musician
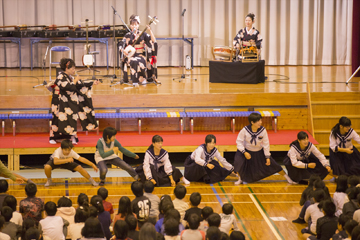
x: 248, y: 36
x: 136, y: 57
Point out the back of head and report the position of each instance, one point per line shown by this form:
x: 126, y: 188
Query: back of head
x: 329, y: 208
x: 131, y: 222
x: 27, y: 223
x: 81, y: 215
x: 206, y: 212
x: 10, y: 201
x: 319, y: 184
x: 32, y: 234
x: 66, y: 144
x: 353, y: 192
x: 92, y: 228
x: 30, y: 189
x: 341, y: 183
x: 224, y: 236
x: 318, y: 195
x: 121, y: 229
x: 312, y: 179
x: 195, y: 199
x: 213, y: 233
x: 137, y: 188
x: 103, y: 193
x: 180, y: 191
x: 50, y: 208
x: 227, y: 208
x: 108, y: 133
x: 147, y: 232
x: 4, y: 186
x: 172, y: 214
x: 237, y: 235
x: 194, y: 221
x: 350, y: 225
x: 343, y: 219
x: 165, y: 203
x: 171, y: 227
x: 2, y: 221
x: 64, y: 202
x: 83, y: 200
x: 96, y: 201
x: 355, y: 234
x: 7, y: 212
x: 214, y: 220
x: 93, y: 212
x: 124, y: 206
x: 149, y: 186
x: 353, y: 180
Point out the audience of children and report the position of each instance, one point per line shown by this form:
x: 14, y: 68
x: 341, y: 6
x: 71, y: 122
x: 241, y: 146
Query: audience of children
x: 103, y: 216
x: 10, y: 228
x: 103, y: 193
x: 11, y: 201
x: 228, y: 220
x: 179, y: 203
x: 52, y: 226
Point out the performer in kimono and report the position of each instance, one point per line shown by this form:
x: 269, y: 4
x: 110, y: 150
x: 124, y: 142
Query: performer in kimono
x: 304, y: 159
x: 157, y: 166
x: 253, y: 160
x: 249, y: 35
x: 344, y: 157
x: 74, y: 102
x: 137, y: 61
x: 54, y: 134
x: 201, y: 166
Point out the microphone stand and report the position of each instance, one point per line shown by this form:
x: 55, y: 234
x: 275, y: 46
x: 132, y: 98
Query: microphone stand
x: 44, y: 63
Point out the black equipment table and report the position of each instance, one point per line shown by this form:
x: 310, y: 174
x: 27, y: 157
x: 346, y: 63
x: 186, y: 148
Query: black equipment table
x: 237, y: 72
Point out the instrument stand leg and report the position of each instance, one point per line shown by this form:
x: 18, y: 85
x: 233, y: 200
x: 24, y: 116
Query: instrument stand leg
x: 183, y: 75
x: 347, y: 82
x: 44, y: 64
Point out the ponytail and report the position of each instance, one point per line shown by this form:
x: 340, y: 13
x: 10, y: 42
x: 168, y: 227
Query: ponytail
x: 343, y: 121
x: 96, y: 201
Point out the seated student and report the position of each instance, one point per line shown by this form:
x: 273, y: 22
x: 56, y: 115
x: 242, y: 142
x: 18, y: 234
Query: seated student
x: 121, y: 230
x: 81, y: 216
x: 3, y: 236
x: 132, y: 223
x: 64, y: 157
x: 66, y: 211
x: 172, y: 229
x: 179, y: 203
x: 353, y: 182
x: 31, y: 207
x: 320, y: 185
x: 34, y: 234
x: 213, y: 233
x: 195, y: 200
x: 165, y: 205
x: 92, y: 230
x: 214, y: 220
x: 107, y: 149
x: 172, y: 214
x: 124, y: 209
x: 4, y: 186
x: 340, y: 194
x: 103, y: 216
x: 157, y: 167
x: 154, y: 199
x: 11, y: 202
x: 341, y: 233
x: 141, y: 205
x: 313, y: 212
x: 253, y: 160
x: 52, y: 226
x: 237, y: 235
x: 349, y: 229
x: 201, y: 166
x: 350, y: 207
x: 148, y: 232
x: 228, y: 220
x: 103, y: 193
x: 193, y: 233
x: 83, y: 200
x: 304, y: 159
x: 28, y: 223
x: 205, y: 213
x: 10, y: 228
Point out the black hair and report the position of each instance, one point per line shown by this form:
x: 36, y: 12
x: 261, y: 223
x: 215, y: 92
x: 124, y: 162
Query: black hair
x: 194, y: 221
x: 319, y: 184
x: 254, y: 117
x: 10, y: 201
x: 352, y: 193
x: 27, y: 223
x: 66, y: 144
x: 64, y: 202
x: 103, y: 193
x: 92, y: 229
x: 195, y: 199
x: 133, y: 19
x: 108, y: 133
x: 32, y: 233
x: 30, y: 189
x: 137, y: 188
x: 343, y: 218
x: 7, y: 212
x: 358, y: 196
x: 66, y: 63
x: 165, y: 203
x: 50, y: 208
x: 214, y: 220
x: 2, y: 221
x: 224, y: 236
x: 312, y: 179
x: 83, y: 200
x: 157, y: 138
x: 350, y: 225
x: 318, y: 195
x: 121, y: 229
x: 227, y: 208
x: 209, y: 138
x: 124, y: 206
x: 131, y: 222
x: 172, y: 213
x: 81, y: 215
x: 355, y: 233
x: 206, y: 212
x: 180, y: 191
x: 147, y: 232
x: 171, y: 227
x: 96, y: 201
x: 149, y: 186
x: 343, y: 121
x: 213, y: 233
x: 251, y: 15
x: 353, y: 180
x: 4, y: 186
x: 93, y: 212
x: 341, y: 184
x: 300, y: 136
x: 237, y: 235
x: 329, y: 208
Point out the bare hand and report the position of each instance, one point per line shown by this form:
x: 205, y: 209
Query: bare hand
x: 96, y: 82
x: 116, y: 150
x: 267, y: 162
x: 95, y: 168
x: 76, y: 79
x: 70, y: 160
x: 247, y: 155
x: 148, y: 27
x: 153, y: 181
x: 328, y: 168
x: 136, y: 157
x: 311, y: 165
x: 349, y: 150
x: 210, y: 166
x: 173, y: 183
x: 19, y: 181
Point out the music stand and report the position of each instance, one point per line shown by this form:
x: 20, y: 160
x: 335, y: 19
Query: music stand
x: 183, y: 75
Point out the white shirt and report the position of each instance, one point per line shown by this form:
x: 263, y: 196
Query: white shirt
x: 296, y: 155
x: 227, y: 221
x: 253, y: 141
x: 74, y: 231
x: 52, y: 227
x: 181, y: 206
x: 199, y: 157
x: 59, y: 154
x: 339, y: 201
x: 314, y: 212
x: 155, y: 201
x: 4, y: 236
x: 17, y: 218
x: 343, y: 141
x: 163, y: 160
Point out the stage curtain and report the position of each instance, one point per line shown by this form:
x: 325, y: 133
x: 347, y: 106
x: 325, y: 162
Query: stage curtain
x: 296, y: 32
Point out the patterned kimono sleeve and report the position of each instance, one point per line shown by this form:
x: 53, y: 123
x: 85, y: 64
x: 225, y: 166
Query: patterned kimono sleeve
x: 258, y: 40
x: 63, y: 83
x: 237, y: 39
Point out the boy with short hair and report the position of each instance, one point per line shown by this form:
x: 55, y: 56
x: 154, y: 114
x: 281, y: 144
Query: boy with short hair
x: 31, y: 207
x: 179, y: 203
x: 193, y: 233
x: 54, y: 227
x: 4, y: 186
x: 10, y: 228
x: 343, y: 219
x: 64, y: 157
x: 141, y: 205
x: 228, y: 219
x: 195, y: 200
x: 3, y: 236
x: 205, y: 213
x: 132, y: 223
x: 103, y: 193
x: 154, y: 199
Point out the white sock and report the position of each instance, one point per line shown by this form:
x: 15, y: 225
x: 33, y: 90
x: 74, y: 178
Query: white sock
x: 239, y: 181
x: 289, y: 179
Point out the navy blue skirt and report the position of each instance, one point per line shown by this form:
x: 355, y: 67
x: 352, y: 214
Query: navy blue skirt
x: 298, y: 174
x: 160, y: 176
x: 254, y: 169
x: 345, y: 164
x: 196, y: 173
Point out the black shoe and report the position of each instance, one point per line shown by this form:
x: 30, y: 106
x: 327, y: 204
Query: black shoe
x: 299, y: 220
x: 101, y: 183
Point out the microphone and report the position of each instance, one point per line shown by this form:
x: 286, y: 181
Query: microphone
x: 183, y: 12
